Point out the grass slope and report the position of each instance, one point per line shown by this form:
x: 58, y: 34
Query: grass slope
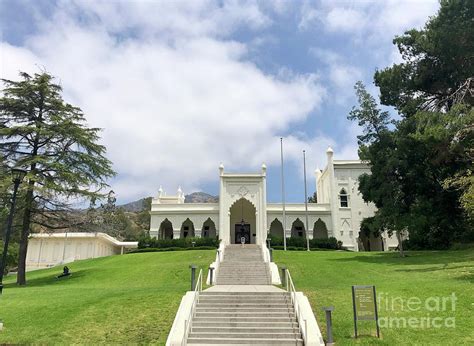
x: 326, y: 278
x: 119, y: 299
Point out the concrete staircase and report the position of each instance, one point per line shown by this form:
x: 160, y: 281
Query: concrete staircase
x: 243, y: 265
x: 251, y: 318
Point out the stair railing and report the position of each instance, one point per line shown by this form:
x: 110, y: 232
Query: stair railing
x: 188, y: 321
x: 290, y: 287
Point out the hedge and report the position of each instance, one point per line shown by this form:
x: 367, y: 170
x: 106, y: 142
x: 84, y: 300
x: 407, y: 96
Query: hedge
x: 148, y: 242
x: 165, y: 249
x: 296, y: 243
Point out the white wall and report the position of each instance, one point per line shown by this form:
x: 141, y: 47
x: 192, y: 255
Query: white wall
x: 49, y: 250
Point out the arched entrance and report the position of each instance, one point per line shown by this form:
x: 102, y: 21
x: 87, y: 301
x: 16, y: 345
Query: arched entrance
x: 187, y: 229
x: 242, y: 222
x: 320, y: 231
x: 276, y: 229
x: 166, y: 230
x: 208, y: 229
x: 370, y: 242
x: 297, y: 229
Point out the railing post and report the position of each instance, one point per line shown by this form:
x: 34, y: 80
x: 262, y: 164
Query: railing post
x: 271, y: 254
x: 328, y: 311
x: 283, y: 277
x: 211, y: 270
x: 193, y: 276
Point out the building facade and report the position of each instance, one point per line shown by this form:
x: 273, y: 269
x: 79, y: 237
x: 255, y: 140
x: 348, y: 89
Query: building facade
x: 243, y: 214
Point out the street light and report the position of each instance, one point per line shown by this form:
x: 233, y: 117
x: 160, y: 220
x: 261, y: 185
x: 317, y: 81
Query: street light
x: 17, y: 178
x: 305, y: 199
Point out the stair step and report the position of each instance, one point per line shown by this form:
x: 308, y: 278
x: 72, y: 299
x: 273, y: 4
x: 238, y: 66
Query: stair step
x: 242, y: 294
x: 245, y: 305
x: 223, y: 341
x: 248, y: 309
x: 241, y: 299
x: 245, y: 330
x: 245, y: 324
x: 214, y: 335
x: 221, y: 319
x: 242, y: 314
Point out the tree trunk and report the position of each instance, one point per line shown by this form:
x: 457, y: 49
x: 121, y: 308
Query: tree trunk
x: 25, y: 232
x: 400, y: 244
x: 25, y: 229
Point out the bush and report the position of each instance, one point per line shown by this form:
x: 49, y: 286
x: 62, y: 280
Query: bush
x: 297, y: 242
x: 148, y: 242
x: 166, y: 249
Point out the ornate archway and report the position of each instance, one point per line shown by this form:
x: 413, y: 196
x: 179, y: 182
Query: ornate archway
x: 297, y: 229
x: 320, y: 231
x: 243, y: 222
x: 187, y: 229
x: 166, y: 230
x: 276, y: 229
x: 208, y: 229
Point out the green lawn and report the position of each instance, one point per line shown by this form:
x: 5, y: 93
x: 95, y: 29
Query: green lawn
x: 134, y: 298
x: 119, y: 299
x: 326, y: 278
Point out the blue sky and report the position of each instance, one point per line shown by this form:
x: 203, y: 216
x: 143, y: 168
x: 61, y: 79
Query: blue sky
x: 180, y: 86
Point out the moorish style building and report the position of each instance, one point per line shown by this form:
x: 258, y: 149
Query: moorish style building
x: 243, y: 213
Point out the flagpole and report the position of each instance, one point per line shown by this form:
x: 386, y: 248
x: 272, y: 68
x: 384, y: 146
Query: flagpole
x: 283, y: 194
x: 305, y: 199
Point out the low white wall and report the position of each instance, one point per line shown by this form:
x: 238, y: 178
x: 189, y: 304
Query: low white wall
x: 176, y: 335
x: 313, y: 333
x: 47, y: 250
x: 275, y: 274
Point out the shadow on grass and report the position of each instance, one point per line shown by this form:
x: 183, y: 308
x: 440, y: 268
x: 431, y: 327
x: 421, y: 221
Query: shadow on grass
x: 50, y: 279
x: 412, y: 258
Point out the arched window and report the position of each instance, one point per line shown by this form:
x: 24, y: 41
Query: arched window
x: 344, y: 198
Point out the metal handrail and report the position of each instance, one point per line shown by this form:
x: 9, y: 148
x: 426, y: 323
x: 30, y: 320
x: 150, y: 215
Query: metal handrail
x: 290, y: 287
x: 188, y: 321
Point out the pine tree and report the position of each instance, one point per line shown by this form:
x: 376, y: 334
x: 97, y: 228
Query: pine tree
x: 49, y: 138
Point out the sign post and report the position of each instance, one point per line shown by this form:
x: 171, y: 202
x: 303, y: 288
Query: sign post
x: 364, y: 303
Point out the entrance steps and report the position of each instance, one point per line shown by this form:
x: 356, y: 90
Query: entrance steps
x: 243, y: 265
x: 249, y: 318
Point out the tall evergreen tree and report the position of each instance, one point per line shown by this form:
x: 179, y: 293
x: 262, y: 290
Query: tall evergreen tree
x: 49, y: 138
x: 421, y: 167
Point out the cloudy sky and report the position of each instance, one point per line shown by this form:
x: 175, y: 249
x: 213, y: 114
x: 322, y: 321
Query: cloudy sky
x: 180, y: 86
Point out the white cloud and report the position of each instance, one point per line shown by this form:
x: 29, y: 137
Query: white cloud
x: 345, y: 19
x: 341, y: 74
x: 174, y: 101
x: 371, y: 21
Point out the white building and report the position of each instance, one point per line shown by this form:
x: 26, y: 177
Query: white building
x: 47, y: 250
x: 243, y: 211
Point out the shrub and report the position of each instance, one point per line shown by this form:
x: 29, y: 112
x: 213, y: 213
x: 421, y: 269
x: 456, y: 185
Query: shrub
x: 148, y: 242
x: 297, y: 242
x: 166, y: 249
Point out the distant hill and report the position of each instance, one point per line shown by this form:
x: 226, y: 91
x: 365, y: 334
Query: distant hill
x: 200, y: 197
x: 195, y: 197
x: 134, y: 207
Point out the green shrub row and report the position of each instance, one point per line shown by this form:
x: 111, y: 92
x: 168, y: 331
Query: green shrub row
x: 165, y: 249
x: 297, y: 242
x: 148, y: 242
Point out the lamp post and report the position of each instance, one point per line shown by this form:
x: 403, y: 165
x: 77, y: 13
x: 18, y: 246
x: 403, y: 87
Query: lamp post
x: 17, y: 177
x: 305, y: 199
x: 283, y: 194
